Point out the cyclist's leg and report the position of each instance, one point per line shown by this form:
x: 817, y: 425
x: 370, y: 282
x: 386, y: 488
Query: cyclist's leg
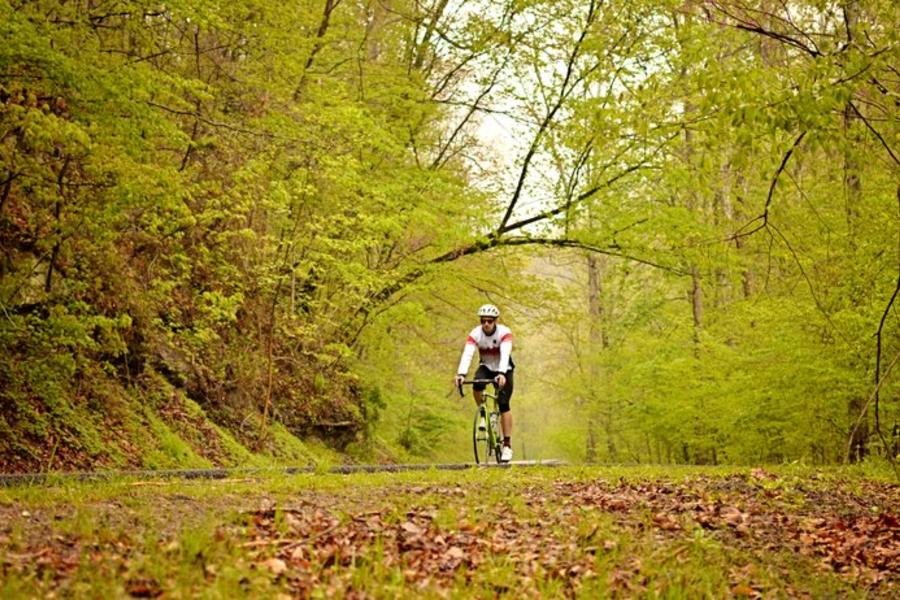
x: 481, y: 373
x: 503, y: 398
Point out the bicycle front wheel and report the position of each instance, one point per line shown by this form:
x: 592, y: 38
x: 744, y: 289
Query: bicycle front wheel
x: 481, y: 438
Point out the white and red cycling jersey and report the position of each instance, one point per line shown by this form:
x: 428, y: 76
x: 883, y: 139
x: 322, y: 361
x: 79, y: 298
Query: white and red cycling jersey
x: 495, y: 349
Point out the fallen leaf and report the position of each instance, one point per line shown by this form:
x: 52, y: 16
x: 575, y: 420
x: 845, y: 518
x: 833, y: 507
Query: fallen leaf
x: 733, y: 516
x: 293, y: 522
x: 411, y: 528
x: 762, y: 474
x: 666, y: 522
x: 143, y: 588
x: 743, y: 590
x: 276, y: 566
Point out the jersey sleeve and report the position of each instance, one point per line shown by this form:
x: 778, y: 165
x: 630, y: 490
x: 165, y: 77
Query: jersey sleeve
x: 505, y: 350
x: 468, y: 352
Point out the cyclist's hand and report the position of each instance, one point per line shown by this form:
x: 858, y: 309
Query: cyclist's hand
x: 501, y: 380
x: 458, y: 380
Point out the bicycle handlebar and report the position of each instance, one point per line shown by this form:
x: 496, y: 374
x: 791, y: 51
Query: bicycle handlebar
x: 471, y: 382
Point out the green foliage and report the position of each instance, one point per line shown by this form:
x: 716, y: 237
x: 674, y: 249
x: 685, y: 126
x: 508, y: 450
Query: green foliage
x: 171, y: 450
x: 424, y: 430
x: 203, y: 186
x: 289, y: 216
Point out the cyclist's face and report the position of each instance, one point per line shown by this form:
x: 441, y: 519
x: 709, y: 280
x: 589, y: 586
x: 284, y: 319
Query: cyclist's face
x: 488, y: 324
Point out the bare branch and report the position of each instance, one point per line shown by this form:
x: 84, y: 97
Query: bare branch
x: 548, y: 118
x: 203, y: 119
x: 878, y: 339
x: 448, y: 77
x: 748, y: 23
x: 568, y: 205
x: 567, y: 243
x: 764, y: 217
x: 330, y: 5
x: 487, y: 110
x: 490, y: 243
x: 487, y: 90
x: 875, y: 133
x: 781, y: 167
x: 812, y: 290
x: 865, y: 409
x: 574, y: 177
x: 7, y: 187
x: 587, y: 193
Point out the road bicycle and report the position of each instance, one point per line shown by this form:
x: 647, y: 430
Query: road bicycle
x: 486, y: 427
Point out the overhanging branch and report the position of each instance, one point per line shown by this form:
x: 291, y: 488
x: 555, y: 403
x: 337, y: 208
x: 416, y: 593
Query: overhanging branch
x: 567, y: 205
x: 385, y: 293
x: 567, y: 243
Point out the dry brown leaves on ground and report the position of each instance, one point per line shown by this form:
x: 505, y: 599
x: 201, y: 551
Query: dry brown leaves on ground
x: 541, y: 535
x: 550, y: 536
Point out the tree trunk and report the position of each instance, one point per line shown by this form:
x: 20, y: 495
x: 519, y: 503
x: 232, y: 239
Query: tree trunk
x: 723, y: 217
x: 857, y: 409
x: 324, y: 23
x: 599, y: 341
x: 696, y: 306
x: 378, y: 11
x: 590, y: 454
x: 599, y: 335
x: 57, y: 214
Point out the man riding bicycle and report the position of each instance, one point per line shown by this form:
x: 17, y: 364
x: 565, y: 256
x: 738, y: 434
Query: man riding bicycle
x: 494, y: 343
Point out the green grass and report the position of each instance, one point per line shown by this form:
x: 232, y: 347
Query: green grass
x: 526, y: 535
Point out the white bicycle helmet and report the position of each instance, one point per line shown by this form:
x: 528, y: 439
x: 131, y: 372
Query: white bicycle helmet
x: 489, y: 310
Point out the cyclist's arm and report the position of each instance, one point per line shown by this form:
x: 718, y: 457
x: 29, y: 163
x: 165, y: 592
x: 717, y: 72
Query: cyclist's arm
x: 466, y: 358
x: 505, y: 351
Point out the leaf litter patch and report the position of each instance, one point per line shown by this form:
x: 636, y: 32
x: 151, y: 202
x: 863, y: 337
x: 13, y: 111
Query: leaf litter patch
x: 855, y: 535
x: 535, y: 536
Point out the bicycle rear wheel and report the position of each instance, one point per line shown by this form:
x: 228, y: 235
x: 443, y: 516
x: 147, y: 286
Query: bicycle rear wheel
x: 481, y: 439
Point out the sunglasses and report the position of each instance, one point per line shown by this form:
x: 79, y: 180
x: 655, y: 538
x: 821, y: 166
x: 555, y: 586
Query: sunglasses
x: 487, y: 321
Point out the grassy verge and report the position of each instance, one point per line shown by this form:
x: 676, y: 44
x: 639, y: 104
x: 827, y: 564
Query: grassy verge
x: 574, y: 532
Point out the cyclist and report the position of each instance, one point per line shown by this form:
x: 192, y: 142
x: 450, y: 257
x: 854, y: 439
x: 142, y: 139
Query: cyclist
x: 494, y: 343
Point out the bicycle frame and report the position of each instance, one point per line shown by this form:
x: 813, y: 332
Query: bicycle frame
x: 485, y: 442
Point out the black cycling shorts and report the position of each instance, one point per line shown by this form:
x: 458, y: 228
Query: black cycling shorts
x: 504, y: 394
